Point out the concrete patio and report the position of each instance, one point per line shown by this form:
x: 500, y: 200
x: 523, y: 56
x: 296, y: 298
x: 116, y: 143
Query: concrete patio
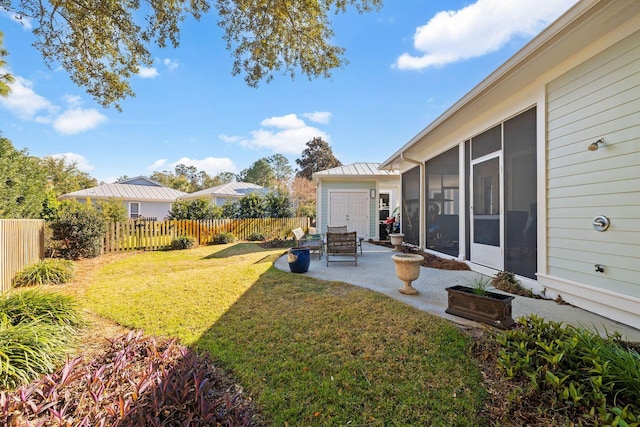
x: 376, y: 271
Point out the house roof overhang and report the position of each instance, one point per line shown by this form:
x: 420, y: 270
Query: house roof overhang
x: 585, y: 22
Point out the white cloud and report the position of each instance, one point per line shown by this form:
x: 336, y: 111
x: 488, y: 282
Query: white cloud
x: 81, y: 161
x: 157, y: 165
x: 290, y: 135
x: 170, y: 64
x: 27, y: 105
x: 77, y: 120
x: 148, y: 73
x: 72, y: 100
x: 211, y: 165
x: 478, y: 29
x: 23, y: 20
x: 318, y: 116
x: 228, y: 138
x: 24, y: 102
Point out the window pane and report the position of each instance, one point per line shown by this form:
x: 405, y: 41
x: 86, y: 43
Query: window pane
x: 487, y: 142
x: 520, y: 194
x: 410, y: 220
x: 443, y: 203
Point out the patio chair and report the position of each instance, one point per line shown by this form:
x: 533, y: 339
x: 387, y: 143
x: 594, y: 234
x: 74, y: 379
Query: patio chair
x: 341, y: 246
x: 313, y: 242
x: 343, y: 229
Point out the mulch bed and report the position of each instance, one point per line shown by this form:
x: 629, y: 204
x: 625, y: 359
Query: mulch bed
x: 430, y: 260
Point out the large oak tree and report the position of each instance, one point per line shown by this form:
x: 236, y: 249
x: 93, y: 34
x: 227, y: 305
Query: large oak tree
x: 101, y: 44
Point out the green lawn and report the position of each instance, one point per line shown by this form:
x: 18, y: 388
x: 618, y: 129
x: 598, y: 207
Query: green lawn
x: 310, y: 352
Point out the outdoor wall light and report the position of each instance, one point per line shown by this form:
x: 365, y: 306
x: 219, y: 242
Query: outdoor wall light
x: 372, y: 193
x: 595, y: 145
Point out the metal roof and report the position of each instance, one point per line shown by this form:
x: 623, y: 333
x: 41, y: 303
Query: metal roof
x: 365, y: 170
x: 232, y: 189
x: 128, y: 192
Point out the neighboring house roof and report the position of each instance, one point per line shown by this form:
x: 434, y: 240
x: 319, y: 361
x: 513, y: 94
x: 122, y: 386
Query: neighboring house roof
x: 151, y: 191
x: 359, y: 170
x: 140, y: 180
x: 230, y: 190
x: 566, y: 36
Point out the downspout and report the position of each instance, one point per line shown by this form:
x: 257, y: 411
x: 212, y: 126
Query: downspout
x: 422, y: 227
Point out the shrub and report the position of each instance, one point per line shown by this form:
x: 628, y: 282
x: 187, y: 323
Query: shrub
x: 588, y: 377
x: 223, y: 238
x: 256, y: 237
x: 79, y: 230
x: 136, y: 381
x: 183, y: 242
x: 37, y: 330
x: 46, y: 272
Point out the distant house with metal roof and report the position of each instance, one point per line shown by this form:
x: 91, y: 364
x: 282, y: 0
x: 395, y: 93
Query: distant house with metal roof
x: 230, y: 192
x: 142, y: 196
x: 358, y: 195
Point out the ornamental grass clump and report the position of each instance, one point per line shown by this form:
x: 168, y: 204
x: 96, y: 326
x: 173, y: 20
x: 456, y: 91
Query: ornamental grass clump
x: 49, y: 271
x: 573, y: 371
x: 37, y: 331
x: 137, y: 381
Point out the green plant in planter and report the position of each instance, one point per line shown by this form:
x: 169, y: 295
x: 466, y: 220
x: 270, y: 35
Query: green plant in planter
x: 480, y: 285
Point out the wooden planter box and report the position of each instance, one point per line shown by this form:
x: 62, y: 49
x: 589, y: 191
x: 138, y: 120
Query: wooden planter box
x: 491, y: 308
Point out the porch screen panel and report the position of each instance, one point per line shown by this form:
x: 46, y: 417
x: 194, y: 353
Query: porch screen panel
x: 520, y: 194
x: 410, y: 219
x: 443, y: 203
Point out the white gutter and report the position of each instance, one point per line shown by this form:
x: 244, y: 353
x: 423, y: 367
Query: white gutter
x: 421, y: 207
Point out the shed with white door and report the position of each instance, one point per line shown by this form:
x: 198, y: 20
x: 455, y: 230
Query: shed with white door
x: 358, y: 195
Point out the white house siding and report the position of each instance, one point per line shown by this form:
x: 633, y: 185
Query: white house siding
x: 159, y: 210
x: 598, y: 98
x: 328, y: 186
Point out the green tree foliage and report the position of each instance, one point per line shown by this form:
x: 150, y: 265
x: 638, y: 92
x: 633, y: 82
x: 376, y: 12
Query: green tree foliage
x: 281, y: 167
x: 277, y: 205
x: 251, y: 206
x: 112, y: 210
x: 5, y: 78
x: 318, y: 156
x: 260, y: 173
x: 103, y: 44
x: 65, y: 177
x: 78, y: 230
x: 189, y: 178
x: 22, y: 183
x: 194, y: 209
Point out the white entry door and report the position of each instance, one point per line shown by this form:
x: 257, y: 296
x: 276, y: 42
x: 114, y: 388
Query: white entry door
x: 350, y: 209
x: 486, y: 211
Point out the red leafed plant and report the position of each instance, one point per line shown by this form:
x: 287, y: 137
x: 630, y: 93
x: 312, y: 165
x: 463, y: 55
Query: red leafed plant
x: 137, y: 381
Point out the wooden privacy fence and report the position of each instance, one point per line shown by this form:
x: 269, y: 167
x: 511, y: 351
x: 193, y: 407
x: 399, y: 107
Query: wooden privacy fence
x: 21, y: 244
x: 157, y: 235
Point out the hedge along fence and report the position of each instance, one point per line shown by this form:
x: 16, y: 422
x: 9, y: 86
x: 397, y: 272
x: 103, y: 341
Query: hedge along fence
x: 21, y: 245
x: 157, y: 235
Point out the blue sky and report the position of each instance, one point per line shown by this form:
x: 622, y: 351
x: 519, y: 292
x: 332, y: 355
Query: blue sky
x: 407, y: 64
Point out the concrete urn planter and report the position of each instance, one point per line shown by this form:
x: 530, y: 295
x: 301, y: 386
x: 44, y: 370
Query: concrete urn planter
x: 408, y: 270
x: 396, y: 241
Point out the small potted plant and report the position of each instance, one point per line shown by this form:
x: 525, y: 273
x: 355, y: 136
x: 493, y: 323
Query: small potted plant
x: 475, y: 302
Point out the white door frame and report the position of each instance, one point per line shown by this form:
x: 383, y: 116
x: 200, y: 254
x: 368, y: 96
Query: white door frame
x: 488, y: 255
